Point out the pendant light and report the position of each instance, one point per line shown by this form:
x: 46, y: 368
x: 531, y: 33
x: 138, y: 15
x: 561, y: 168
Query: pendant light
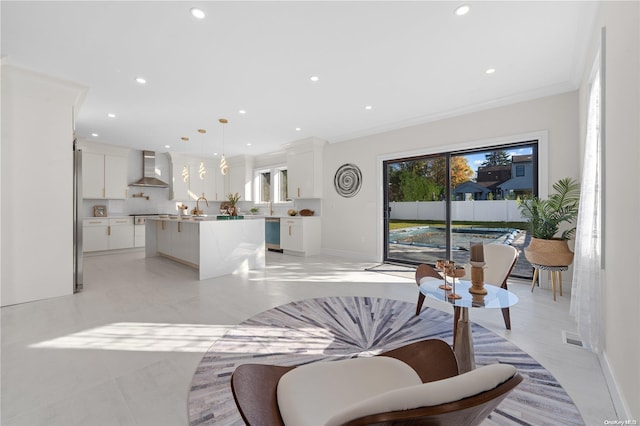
x: 202, y: 171
x: 223, y: 161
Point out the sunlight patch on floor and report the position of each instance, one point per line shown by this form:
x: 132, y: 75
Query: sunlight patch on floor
x: 140, y: 336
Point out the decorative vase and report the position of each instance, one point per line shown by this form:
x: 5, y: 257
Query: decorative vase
x: 549, y: 252
x: 233, y: 211
x: 477, y: 278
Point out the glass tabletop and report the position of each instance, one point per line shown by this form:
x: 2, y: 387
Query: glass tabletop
x: 496, y: 297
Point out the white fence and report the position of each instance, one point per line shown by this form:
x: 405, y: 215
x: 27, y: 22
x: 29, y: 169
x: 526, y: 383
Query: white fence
x: 479, y: 211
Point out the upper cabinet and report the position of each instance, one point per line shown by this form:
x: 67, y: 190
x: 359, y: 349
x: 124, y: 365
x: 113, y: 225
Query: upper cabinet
x: 192, y: 177
x: 304, y: 168
x: 104, y: 172
x: 240, y: 177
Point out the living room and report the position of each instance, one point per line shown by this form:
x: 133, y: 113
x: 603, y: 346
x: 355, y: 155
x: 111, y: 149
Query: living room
x: 352, y: 230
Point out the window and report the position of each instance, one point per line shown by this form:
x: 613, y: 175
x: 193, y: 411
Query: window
x: 263, y: 186
x: 271, y: 185
x: 436, y: 204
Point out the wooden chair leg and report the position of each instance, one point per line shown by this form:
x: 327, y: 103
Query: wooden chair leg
x: 535, y: 275
x: 505, y: 311
x: 507, y: 318
x: 420, y: 302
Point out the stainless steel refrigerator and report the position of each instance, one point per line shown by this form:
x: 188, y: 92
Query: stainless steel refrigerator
x: 77, y: 218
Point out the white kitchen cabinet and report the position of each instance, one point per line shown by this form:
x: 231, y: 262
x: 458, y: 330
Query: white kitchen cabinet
x: 104, y: 176
x: 92, y: 175
x: 188, y: 184
x: 180, y: 174
x: 100, y: 234
x: 213, y: 184
x: 121, y: 233
x: 95, y: 234
x: 115, y: 177
x: 240, y: 177
x: 300, y: 235
x: 139, y: 235
x: 304, y: 168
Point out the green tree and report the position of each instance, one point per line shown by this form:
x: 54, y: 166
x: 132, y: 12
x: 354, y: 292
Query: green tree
x: 424, y: 180
x: 497, y: 158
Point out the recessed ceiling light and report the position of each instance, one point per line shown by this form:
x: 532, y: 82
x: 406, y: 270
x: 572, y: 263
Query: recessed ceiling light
x: 314, y: 78
x: 242, y: 111
x: 249, y: 144
x: 490, y: 71
x: 298, y: 129
x: 184, y: 138
x: 141, y: 80
x: 462, y: 10
x: 167, y: 146
x: 197, y: 13
x: 111, y: 115
x: 95, y: 135
x: 368, y: 107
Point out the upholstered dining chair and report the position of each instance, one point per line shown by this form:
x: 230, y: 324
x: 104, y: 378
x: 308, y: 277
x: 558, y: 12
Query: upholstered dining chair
x: 500, y: 260
x: 415, y: 384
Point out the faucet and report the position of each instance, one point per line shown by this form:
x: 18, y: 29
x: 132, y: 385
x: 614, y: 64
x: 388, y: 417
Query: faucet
x: 270, y: 208
x: 197, y: 211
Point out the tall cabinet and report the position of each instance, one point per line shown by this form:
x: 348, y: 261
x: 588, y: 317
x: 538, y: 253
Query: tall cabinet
x: 104, y: 171
x: 304, y: 168
x: 193, y: 176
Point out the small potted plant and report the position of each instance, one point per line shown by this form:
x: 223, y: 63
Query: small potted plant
x: 254, y: 210
x: 233, y: 200
x: 548, y: 246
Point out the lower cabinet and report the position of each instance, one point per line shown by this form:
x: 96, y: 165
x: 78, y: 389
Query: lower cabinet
x: 95, y: 234
x: 139, y: 234
x: 107, y: 234
x: 300, y: 235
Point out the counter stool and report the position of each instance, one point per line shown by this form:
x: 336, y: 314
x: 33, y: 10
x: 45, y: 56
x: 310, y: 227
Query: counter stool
x: 556, y: 275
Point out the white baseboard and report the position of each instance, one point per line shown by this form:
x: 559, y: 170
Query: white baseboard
x: 619, y: 403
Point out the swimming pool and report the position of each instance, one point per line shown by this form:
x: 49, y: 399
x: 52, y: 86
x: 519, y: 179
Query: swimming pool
x: 431, y: 236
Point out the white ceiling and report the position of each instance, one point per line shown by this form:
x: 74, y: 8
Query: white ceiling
x: 413, y: 62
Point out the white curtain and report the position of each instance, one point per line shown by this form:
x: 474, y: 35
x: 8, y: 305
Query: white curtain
x: 586, y: 289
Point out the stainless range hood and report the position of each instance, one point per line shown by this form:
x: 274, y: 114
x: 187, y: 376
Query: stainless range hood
x: 149, y: 178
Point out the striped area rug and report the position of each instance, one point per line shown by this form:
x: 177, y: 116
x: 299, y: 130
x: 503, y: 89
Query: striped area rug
x: 333, y: 328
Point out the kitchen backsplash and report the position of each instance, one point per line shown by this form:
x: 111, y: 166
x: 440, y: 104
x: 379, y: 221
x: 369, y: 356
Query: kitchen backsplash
x: 158, y: 203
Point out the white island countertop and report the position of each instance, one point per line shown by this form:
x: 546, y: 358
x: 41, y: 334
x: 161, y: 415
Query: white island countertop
x: 215, y: 246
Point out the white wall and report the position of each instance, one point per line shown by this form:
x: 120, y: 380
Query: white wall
x: 622, y: 199
x: 37, y: 186
x: 353, y: 226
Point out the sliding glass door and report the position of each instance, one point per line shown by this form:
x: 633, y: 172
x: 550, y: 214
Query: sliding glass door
x: 416, y: 205
x: 435, y: 205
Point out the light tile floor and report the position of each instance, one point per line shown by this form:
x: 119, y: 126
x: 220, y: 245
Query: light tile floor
x: 123, y: 351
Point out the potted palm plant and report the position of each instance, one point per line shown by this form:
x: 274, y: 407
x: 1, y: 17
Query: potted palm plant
x: 548, y: 245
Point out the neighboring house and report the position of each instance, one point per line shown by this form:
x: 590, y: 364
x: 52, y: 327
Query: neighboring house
x: 490, y: 177
x: 521, y: 182
x: 470, y: 191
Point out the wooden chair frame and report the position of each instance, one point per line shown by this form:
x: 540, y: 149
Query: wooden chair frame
x: 254, y: 388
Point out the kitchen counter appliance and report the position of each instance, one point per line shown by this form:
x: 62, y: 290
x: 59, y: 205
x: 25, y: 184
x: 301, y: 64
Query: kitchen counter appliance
x: 272, y: 234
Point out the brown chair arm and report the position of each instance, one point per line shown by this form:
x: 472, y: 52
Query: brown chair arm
x: 432, y: 359
x: 469, y: 411
x: 426, y: 271
x: 254, y: 388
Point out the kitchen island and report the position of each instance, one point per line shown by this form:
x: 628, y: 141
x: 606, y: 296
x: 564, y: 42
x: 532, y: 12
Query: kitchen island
x: 214, y: 247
